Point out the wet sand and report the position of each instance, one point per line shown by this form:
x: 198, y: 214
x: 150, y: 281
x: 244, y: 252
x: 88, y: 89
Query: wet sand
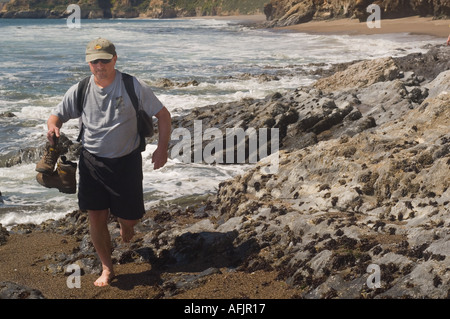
x: 132, y: 281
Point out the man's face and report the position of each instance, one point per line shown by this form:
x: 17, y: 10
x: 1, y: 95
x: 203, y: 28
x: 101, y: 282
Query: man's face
x: 102, y: 69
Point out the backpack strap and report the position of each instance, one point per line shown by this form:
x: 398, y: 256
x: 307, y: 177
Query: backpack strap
x: 129, y: 86
x: 81, y: 92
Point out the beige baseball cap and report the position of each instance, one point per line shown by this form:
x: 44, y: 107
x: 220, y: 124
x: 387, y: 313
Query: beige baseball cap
x: 100, y: 49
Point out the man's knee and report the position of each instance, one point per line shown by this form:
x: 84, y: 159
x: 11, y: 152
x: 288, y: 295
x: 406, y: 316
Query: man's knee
x: 98, y: 216
x: 128, y: 222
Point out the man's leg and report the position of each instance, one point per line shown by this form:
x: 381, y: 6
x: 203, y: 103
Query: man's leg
x: 102, y: 243
x: 127, y: 228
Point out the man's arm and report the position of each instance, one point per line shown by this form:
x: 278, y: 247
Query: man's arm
x: 54, y: 123
x: 159, y: 157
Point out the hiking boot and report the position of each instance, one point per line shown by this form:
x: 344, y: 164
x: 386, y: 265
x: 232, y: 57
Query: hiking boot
x: 47, y: 163
x: 63, y: 178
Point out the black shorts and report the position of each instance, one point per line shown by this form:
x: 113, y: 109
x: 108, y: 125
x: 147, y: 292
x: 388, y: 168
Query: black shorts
x: 114, y: 184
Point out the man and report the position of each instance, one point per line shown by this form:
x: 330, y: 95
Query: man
x: 110, y: 165
x: 448, y: 40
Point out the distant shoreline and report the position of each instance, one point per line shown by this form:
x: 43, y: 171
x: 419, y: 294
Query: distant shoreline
x: 412, y: 25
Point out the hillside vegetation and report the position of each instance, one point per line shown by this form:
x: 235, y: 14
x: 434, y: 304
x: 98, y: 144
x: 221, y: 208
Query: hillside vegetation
x: 130, y: 8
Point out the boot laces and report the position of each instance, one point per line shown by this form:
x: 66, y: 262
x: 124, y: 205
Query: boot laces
x: 50, y: 156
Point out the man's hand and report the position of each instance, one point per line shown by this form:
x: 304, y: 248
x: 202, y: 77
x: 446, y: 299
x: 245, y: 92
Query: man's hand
x: 159, y: 157
x: 53, y: 133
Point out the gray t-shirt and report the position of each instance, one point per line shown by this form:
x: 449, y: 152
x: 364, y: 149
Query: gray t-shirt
x: 109, y: 118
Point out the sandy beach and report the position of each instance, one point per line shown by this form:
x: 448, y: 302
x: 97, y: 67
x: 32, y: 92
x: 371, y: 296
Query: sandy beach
x: 132, y: 280
x: 412, y: 25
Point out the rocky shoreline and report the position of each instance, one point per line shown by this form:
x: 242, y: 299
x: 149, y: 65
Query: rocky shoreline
x: 281, y: 13
x: 106, y: 9
x: 277, y: 12
x: 363, y: 179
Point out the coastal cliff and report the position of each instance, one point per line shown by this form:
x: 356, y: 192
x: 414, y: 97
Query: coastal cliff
x: 278, y: 12
x: 129, y: 8
x: 362, y: 181
x: 290, y: 12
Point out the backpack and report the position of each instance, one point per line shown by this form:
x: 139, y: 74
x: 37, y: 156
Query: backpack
x: 144, y: 122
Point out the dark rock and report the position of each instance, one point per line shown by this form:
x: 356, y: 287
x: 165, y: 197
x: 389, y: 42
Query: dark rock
x: 7, y: 114
x: 4, y: 234
x: 10, y: 290
x: 182, y: 282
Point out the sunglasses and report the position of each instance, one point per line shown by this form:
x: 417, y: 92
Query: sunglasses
x: 103, y: 61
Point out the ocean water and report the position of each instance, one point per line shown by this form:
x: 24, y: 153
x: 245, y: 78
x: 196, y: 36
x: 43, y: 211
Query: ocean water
x: 41, y: 59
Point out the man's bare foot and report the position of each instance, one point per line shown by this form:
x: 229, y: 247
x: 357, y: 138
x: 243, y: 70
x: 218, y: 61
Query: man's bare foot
x: 105, y: 278
x: 127, y: 229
